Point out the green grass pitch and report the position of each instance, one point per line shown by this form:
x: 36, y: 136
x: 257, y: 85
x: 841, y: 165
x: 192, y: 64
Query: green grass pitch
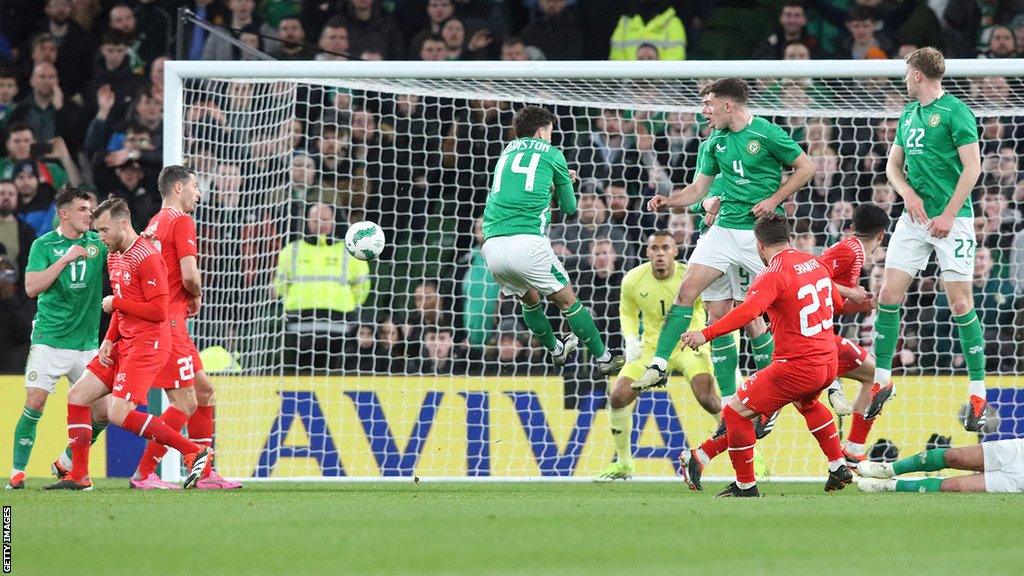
x: 510, y: 528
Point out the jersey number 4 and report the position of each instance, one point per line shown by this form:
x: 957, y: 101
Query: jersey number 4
x: 824, y: 287
x: 517, y: 167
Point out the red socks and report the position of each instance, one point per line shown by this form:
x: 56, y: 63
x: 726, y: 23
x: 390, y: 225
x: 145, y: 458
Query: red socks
x: 175, y: 420
x: 152, y: 427
x: 200, y: 426
x: 860, y: 429
x: 741, y: 439
x: 715, y: 446
x: 823, y: 427
x: 79, y: 438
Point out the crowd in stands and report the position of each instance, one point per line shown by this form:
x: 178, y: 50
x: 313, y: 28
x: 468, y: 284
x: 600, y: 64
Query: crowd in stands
x: 81, y: 104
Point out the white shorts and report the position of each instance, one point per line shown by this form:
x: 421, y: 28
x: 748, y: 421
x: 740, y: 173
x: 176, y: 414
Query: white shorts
x: 911, y: 245
x: 731, y: 252
x: 1004, y: 465
x: 522, y: 262
x: 47, y: 364
x: 732, y: 285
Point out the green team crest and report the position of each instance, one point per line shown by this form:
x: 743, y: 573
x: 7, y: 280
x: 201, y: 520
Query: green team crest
x: 934, y: 120
x: 753, y: 147
x: 91, y: 250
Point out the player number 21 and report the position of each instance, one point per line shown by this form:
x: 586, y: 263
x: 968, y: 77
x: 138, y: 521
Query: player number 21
x: 821, y: 286
x: 530, y: 170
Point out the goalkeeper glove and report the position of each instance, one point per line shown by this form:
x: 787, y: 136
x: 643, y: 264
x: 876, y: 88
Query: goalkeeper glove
x: 633, y: 349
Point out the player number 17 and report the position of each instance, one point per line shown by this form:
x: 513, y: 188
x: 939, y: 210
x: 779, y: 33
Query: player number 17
x: 822, y: 286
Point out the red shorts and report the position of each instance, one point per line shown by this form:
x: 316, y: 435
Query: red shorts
x: 180, y: 370
x: 783, y: 382
x: 133, y: 368
x: 850, y: 355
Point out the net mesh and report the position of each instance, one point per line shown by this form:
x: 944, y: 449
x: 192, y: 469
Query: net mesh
x: 431, y: 372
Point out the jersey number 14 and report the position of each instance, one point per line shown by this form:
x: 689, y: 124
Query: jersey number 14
x: 518, y: 167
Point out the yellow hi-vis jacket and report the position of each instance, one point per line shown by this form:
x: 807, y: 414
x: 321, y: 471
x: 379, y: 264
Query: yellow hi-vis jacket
x: 665, y: 32
x: 320, y: 274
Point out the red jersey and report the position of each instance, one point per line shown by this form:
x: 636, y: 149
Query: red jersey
x: 138, y: 275
x: 174, y: 234
x: 844, y: 260
x: 800, y: 298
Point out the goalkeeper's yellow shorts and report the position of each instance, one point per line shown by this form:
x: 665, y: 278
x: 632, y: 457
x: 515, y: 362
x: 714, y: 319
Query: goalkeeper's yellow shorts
x: 687, y: 362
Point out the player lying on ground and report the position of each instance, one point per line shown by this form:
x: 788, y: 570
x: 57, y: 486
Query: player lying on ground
x: 749, y: 152
x: 136, y: 348
x: 647, y: 292
x: 65, y: 272
x: 1000, y: 467
x: 798, y: 294
x: 516, y: 247
x: 844, y: 260
x: 172, y: 231
x: 723, y: 294
x: 933, y: 165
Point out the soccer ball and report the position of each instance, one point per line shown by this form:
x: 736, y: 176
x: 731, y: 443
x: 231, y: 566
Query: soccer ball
x: 364, y: 240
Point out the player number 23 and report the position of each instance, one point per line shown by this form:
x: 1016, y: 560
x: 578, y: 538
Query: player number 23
x: 823, y: 286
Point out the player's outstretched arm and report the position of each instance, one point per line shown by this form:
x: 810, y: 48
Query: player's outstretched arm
x: 970, y: 157
x: 803, y: 170
x: 694, y: 192
x: 898, y: 181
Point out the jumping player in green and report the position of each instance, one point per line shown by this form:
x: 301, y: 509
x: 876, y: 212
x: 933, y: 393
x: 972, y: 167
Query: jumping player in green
x: 749, y: 153
x: 65, y: 272
x: 516, y: 247
x: 933, y: 165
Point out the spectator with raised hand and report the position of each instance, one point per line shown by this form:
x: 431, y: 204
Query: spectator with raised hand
x: 293, y: 39
x: 76, y: 47
x: 556, y: 31
x: 792, y: 29
x: 114, y: 69
x: 369, y: 28
x: 47, y: 112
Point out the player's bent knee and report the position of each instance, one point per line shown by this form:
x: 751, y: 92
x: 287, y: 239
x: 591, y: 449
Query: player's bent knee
x: 119, y: 409
x: 185, y: 401
x: 961, y: 306
x: 35, y: 398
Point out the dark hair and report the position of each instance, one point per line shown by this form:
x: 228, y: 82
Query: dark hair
x: 794, y: 4
x: 529, y: 119
x: 512, y: 41
x: 7, y: 181
x: 772, y: 229
x: 136, y: 128
x: 861, y: 14
x: 115, y: 37
x: 734, y: 88
x: 7, y: 72
x: 19, y: 127
x: 432, y: 38
x: 335, y: 22
x: 170, y: 176
x: 117, y: 207
x: 869, y: 219
x: 69, y: 194
x: 661, y: 232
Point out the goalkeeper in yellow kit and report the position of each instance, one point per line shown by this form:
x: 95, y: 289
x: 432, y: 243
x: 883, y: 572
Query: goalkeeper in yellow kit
x: 648, y: 292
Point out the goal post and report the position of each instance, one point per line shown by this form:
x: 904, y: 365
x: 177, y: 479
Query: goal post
x: 430, y: 372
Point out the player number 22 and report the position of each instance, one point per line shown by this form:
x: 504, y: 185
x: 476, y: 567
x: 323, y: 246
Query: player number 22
x: 823, y: 286
x: 530, y: 170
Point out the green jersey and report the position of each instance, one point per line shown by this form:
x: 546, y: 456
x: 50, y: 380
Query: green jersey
x: 930, y: 136
x: 68, y: 314
x: 520, y: 198
x: 750, y: 163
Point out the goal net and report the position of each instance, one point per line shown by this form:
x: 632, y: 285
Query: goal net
x: 417, y: 366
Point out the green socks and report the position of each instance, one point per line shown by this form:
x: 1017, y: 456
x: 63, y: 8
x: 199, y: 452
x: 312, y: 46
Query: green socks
x: 887, y: 332
x: 582, y: 324
x: 972, y: 344
x: 763, y: 347
x: 725, y: 357
x: 621, y: 420
x: 677, y: 321
x: 927, y: 461
x: 25, y: 436
x: 538, y: 323
x: 921, y: 485
x: 97, y: 429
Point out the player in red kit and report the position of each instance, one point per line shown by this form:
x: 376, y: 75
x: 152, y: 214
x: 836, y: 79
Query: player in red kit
x: 844, y: 261
x: 173, y: 231
x: 134, y: 351
x: 800, y: 298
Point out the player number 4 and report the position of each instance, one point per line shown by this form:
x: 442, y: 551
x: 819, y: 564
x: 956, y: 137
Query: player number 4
x: 822, y: 286
x: 737, y: 167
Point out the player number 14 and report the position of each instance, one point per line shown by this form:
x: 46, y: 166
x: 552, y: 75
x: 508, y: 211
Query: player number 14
x: 530, y: 170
